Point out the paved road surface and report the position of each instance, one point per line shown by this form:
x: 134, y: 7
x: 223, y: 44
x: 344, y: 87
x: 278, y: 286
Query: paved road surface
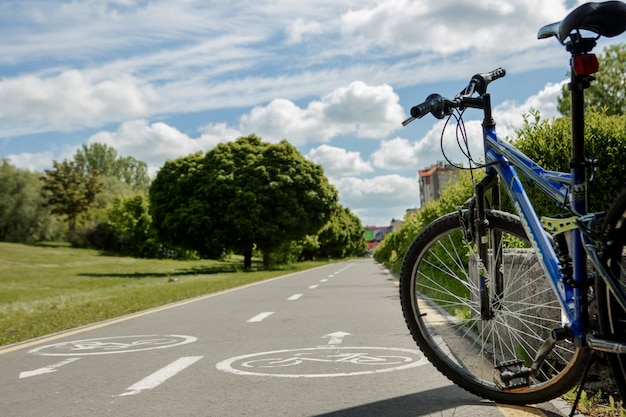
x: 325, y: 342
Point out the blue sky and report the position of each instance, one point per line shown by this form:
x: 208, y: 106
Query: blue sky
x: 162, y: 79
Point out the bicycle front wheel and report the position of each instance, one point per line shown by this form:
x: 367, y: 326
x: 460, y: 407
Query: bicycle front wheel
x: 441, y: 302
x: 611, y: 315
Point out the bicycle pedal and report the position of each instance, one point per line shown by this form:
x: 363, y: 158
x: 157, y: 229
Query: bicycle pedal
x: 512, y: 374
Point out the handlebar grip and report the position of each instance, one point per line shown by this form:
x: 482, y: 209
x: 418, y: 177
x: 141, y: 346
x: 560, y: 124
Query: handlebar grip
x: 494, y: 75
x: 433, y: 104
x: 481, y: 81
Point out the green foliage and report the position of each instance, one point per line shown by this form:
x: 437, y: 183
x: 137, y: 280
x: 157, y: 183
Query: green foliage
x: 239, y: 196
x: 549, y: 144
x: 606, y: 93
x: 70, y: 189
x: 391, y: 250
x: 104, y: 160
x: 24, y: 217
x: 342, y: 236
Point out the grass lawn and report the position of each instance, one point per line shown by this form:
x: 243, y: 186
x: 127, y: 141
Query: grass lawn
x: 49, y: 288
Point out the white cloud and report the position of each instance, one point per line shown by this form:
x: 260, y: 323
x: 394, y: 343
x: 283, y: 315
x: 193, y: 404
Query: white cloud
x: 300, y: 29
x: 510, y: 114
x: 90, y: 63
x: 396, y: 155
x: 373, y: 199
x: 158, y: 142
x: 358, y: 109
x: 449, y: 26
x: 69, y: 100
x: 338, y: 162
x: 36, y: 161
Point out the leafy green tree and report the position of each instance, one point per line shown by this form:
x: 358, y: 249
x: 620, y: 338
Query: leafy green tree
x: 70, y: 189
x: 131, y: 221
x: 24, y: 218
x: 342, y: 236
x: 608, y: 92
x: 239, y: 196
x: 105, y: 160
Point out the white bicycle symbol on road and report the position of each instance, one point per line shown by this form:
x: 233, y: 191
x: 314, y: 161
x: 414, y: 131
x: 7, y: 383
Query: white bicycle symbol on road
x: 323, y: 362
x: 353, y: 358
x: 109, y: 345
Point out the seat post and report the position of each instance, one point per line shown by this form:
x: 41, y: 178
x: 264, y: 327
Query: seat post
x: 578, y: 85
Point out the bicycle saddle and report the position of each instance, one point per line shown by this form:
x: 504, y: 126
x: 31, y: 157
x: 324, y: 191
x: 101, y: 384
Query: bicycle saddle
x: 605, y: 19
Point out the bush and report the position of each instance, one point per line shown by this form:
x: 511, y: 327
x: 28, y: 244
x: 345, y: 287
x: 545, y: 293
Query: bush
x: 549, y: 144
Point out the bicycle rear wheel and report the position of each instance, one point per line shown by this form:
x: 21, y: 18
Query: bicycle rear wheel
x: 439, y: 292
x: 611, y: 317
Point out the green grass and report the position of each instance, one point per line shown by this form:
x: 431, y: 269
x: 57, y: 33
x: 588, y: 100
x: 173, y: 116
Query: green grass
x: 50, y: 288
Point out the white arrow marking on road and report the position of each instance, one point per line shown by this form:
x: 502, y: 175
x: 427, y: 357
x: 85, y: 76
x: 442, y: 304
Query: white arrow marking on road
x: 47, y: 369
x: 335, y: 338
x: 162, y: 375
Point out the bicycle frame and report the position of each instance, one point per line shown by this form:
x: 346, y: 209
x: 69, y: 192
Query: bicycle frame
x: 506, y: 158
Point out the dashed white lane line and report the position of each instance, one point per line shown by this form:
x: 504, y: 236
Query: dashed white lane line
x: 324, y: 280
x: 294, y: 297
x: 312, y: 287
x: 260, y: 317
x: 162, y: 375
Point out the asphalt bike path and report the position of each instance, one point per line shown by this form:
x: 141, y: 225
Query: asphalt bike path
x: 325, y: 342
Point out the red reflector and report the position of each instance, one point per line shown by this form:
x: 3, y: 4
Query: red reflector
x: 585, y: 64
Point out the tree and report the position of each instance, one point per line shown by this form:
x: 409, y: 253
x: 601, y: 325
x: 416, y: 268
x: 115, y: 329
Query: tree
x: 608, y: 92
x: 23, y: 215
x: 132, y: 225
x: 342, y: 236
x: 239, y: 196
x: 105, y: 160
x: 70, y: 189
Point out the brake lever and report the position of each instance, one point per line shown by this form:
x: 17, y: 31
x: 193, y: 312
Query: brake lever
x: 407, y: 121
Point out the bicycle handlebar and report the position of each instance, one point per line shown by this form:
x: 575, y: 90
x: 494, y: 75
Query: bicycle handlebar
x: 440, y: 106
x: 433, y: 104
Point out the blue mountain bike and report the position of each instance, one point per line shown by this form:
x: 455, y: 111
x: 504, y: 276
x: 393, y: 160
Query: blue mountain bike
x: 514, y: 308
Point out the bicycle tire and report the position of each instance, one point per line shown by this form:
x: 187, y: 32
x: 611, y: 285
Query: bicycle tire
x: 441, y: 308
x: 611, y: 316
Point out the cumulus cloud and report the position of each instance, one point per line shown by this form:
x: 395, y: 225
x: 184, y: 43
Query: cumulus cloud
x: 510, y: 114
x: 339, y: 162
x: 397, y: 155
x: 158, y: 142
x: 69, y: 100
x: 358, y: 109
x: 373, y: 199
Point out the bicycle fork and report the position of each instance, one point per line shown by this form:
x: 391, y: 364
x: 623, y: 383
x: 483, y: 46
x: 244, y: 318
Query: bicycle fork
x: 489, y: 265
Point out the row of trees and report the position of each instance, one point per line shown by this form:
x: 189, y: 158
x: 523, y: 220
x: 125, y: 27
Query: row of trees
x: 242, y: 197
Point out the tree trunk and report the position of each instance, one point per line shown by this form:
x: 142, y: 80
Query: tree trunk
x: 71, y: 235
x: 266, y: 260
x: 247, y: 259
